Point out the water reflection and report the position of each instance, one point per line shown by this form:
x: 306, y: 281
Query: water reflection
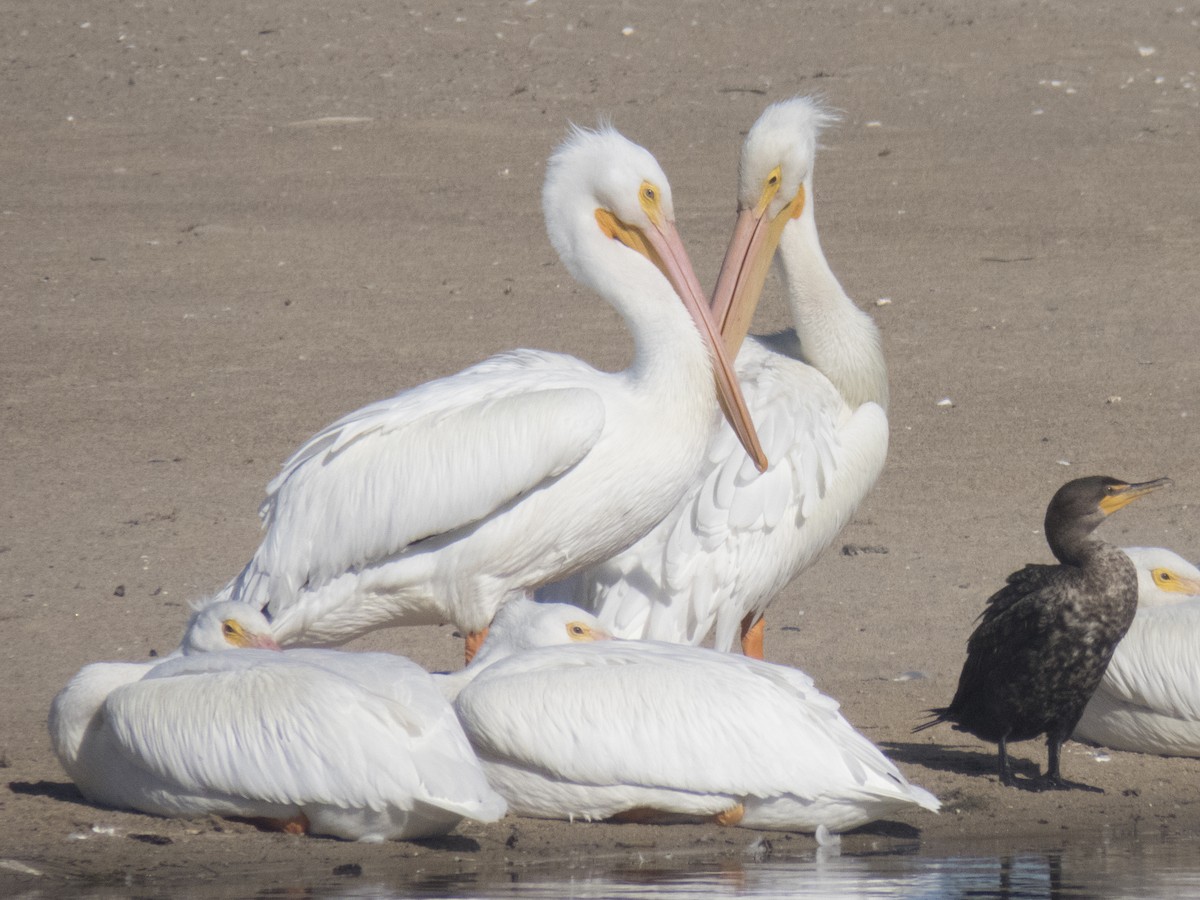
x: 1098, y: 868
x: 1049, y: 875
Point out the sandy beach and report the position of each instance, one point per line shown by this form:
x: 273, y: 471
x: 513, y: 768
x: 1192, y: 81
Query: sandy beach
x: 224, y: 225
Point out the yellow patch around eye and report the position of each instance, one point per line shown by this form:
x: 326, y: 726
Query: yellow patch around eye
x: 1167, y: 580
x: 234, y: 633
x: 769, y: 189
x: 650, y: 199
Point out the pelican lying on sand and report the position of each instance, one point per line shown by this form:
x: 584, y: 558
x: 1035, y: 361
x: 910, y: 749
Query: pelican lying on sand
x: 1149, y: 698
x: 585, y: 728
x: 361, y: 746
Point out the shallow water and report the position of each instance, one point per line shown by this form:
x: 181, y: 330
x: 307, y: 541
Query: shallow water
x: 1122, y: 870
x: 1102, y: 868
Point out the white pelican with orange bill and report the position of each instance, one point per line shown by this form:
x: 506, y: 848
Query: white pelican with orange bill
x: 818, y: 395
x: 452, y: 498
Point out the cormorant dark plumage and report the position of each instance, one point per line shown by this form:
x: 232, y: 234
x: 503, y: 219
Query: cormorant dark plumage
x: 1044, y: 640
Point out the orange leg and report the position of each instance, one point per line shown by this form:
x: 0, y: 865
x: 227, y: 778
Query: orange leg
x: 474, y: 641
x: 644, y: 815
x: 298, y: 825
x: 752, y: 637
x: 731, y: 816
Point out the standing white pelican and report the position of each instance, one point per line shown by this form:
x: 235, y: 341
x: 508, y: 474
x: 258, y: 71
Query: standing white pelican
x: 452, y: 498
x: 1149, y: 698
x: 359, y: 746
x: 818, y: 396
x: 650, y: 731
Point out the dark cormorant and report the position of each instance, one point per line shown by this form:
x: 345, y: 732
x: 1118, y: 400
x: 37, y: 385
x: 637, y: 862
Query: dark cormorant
x: 1045, y: 639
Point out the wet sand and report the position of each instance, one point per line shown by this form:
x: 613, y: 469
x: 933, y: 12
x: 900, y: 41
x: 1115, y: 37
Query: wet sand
x: 225, y: 226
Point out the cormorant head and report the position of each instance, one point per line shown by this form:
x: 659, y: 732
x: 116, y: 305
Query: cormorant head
x: 1080, y: 505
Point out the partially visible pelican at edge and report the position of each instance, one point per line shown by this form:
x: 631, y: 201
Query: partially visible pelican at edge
x: 818, y: 395
x: 452, y: 498
x: 1149, y: 698
x: 656, y: 732
x: 361, y: 746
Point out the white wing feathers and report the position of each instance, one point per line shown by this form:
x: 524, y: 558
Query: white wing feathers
x: 289, y: 732
x: 341, y: 501
x: 1155, y: 665
x: 686, y: 577
x: 649, y: 715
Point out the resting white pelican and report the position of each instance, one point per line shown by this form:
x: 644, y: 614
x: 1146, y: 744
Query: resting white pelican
x: 818, y: 396
x: 446, y: 501
x: 651, y: 731
x: 361, y: 746
x: 1149, y: 698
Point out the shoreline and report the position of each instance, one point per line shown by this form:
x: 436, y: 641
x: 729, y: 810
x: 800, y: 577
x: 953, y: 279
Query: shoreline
x: 226, y: 226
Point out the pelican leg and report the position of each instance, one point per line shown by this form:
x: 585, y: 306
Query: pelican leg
x: 474, y: 641
x: 752, y: 636
x: 731, y: 816
x: 297, y: 825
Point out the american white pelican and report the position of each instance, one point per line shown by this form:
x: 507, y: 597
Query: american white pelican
x: 651, y: 731
x: 446, y: 501
x: 818, y: 396
x: 361, y: 746
x: 1044, y: 639
x: 1149, y: 698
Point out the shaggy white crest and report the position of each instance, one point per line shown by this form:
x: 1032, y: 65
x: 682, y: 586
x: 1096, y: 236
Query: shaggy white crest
x: 818, y: 396
x: 452, y: 498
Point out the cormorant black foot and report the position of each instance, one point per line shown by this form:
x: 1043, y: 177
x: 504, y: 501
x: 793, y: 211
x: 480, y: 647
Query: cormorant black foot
x: 1058, y: 783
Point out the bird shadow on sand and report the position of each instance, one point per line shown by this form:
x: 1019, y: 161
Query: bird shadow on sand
x: 1027, y: 774
x: 66, y: 792
x: 894, y: 830
x: 55, y: 790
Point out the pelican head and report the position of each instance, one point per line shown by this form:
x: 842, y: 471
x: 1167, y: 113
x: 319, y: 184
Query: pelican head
x: 523, y: 625
x: 611, y: 217
x: 1164, y: 577
x: 774, y: 184
x: 225, y: 626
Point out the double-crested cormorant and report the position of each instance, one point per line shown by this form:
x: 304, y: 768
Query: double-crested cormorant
x: 1149, y: 698
x: 1044, y: 640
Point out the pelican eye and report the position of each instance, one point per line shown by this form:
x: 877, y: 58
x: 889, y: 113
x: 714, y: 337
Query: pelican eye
x: 770, y: 187
x: 1163, y: 576
x: 578, y: 631
x: 651, y: 202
